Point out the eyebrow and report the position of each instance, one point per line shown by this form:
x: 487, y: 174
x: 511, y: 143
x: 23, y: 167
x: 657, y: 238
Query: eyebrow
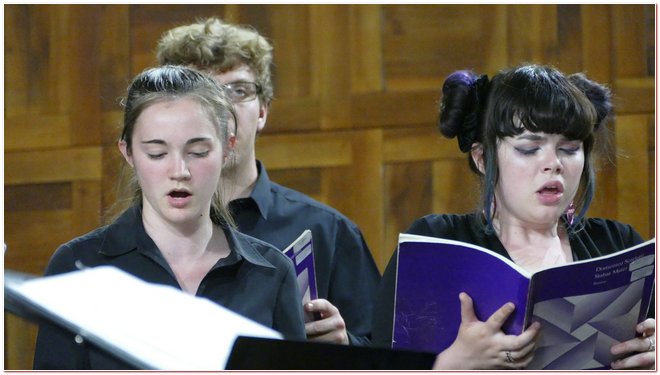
x: 531, y: 137
x: 188, y: 142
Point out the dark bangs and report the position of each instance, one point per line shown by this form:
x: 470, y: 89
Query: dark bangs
x: 540, y: 100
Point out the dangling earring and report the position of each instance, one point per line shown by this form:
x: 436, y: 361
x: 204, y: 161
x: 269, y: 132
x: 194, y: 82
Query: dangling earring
x: 570, y: 214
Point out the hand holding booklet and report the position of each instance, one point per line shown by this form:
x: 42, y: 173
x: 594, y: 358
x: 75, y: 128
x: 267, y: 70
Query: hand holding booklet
x: 584, y: 307
x: 126, y: 316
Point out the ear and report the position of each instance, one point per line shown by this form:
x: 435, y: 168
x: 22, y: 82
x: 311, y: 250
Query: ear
x: 229, y: 146
x: 229, y: 150
x: 477, y: 154
x: 123, y: 148
x: 263, y: 114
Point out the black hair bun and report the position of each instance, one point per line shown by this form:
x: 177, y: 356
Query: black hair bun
x: 462, y: 95
x: 600, y: 97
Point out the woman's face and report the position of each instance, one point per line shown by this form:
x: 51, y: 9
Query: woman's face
x: 177, y: 156
x: 539, y: 176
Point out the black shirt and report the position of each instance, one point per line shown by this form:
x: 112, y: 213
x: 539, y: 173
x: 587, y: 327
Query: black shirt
x: 598, y: 237
x: 255, y: 280
x: 346, y: 273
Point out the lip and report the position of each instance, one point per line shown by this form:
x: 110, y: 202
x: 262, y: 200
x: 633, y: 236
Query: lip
x: 550, y: 193
x: 179, y: 198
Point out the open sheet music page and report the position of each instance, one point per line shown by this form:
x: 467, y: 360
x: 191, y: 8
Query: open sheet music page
x: 152, y: 326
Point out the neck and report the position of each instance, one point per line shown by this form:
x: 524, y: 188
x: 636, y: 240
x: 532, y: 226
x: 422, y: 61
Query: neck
x: 178, y: 238
x: 513, y: 231
x: 533, y: 246
x: 240, y: 179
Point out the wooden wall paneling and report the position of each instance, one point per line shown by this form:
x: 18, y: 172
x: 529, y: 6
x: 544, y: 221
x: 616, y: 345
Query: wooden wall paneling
x: 112, y: 161
x: 629, y: 44
x: 569, y: 37
x: 365, y: 184
x: 632, y: 172
x: 34, y: 78
x: 330, y: 54
x: 292, y: 71
x: 305, y: 150
x: 35, y: 131
x: 291, y: 115
x: 49, y: 55
x: 255, y: 15
x: 455, y: 186
x: 82, y: 56
x: 36, y: 197
x: 634, y: 95
x: 418, y: 143
x: 81, y: 163
x: 391, y: 109
x: 532, y: 34
x: 16, y: 77
x: 86, y: 206
x: 294, y: 108
x: 33, y: 236
x: 23, y: 333
x: 116, y: 174
x: 597, y: 42
x: 650, y: 37
x: 597, y: 64
x: 338, y: 189
x: 232, y: 13
x: 605, y: 197
x: 149, y: 21
x: 366, y: 47
x: 304, y: 180
x: 422, y: 44
x: 114, y: 62
x: 408, y: 196
x: 493, y: 41
x: 114, y: 74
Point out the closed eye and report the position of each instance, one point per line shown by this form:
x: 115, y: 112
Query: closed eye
x: 526, y: 151
x: 156, y: 156
x: 200, y: 154
x: 570, y: 150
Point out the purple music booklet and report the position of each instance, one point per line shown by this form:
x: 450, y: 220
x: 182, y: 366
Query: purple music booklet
x: 584, y: 307
x: 301, y: 252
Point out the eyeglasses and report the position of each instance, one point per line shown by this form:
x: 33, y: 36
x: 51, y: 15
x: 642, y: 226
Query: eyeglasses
x: 242, y: 91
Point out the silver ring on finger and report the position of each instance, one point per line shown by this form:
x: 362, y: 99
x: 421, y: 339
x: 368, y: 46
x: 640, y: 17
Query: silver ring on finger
x: 509, y: 358
x: 651, y: 344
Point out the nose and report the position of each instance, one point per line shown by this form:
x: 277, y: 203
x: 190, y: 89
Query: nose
x: 179, y: 170
x: 553, y: 164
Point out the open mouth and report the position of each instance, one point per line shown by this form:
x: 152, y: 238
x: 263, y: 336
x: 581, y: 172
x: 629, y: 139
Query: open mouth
x: 179, y: 194
x: 551, y: 189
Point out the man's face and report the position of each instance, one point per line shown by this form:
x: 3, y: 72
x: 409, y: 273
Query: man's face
x: 251, y: 116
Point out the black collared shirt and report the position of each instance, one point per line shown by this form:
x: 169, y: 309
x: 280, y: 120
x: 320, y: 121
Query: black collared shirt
x: 255, y: 280
x: 346, y: 273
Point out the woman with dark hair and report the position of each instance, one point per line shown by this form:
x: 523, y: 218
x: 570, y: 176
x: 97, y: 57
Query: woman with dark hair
x: 178, y: 134
x: 529, y: 134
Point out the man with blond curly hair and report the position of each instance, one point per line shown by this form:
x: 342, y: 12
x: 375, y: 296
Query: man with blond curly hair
x: 239, y: 58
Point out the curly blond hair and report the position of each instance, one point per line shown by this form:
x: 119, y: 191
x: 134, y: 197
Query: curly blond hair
x: 214, y: 45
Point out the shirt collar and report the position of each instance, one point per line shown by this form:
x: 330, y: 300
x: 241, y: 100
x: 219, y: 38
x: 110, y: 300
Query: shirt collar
x: 122, y: 237
x: 261, y: 192
x: 242, y: 247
